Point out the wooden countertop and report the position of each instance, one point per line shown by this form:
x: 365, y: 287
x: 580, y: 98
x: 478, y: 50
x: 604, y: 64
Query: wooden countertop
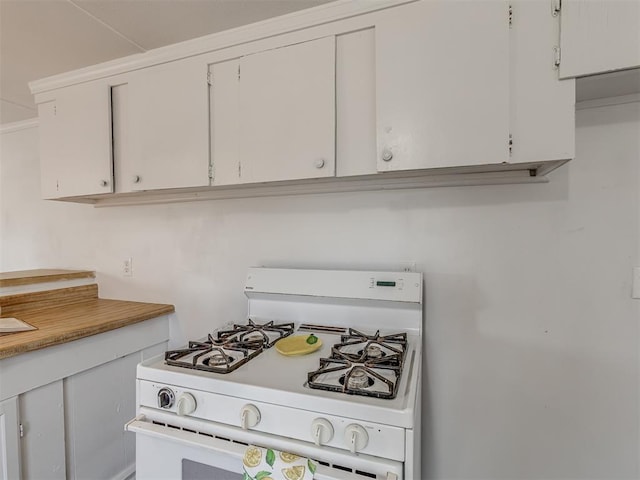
x: 28, y: 277
x: 60, y: 323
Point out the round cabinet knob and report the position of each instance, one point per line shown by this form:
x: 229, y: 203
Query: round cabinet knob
x: 321, y: 431
x: 103, y: 183
x: 136, y: 179
x: 319, y: 163
x: 186, y: 404
x: 387, y: 154
x: 356, y: 437
x: 249, y: 416
x: 165, y: 398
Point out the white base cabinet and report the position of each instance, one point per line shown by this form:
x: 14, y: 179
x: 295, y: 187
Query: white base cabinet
x: 42, y: 445
x: 66, y: 421
x: 9, y: 439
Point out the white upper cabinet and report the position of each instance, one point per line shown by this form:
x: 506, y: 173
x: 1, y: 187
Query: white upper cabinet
x: 356, y: 103
x: 75, y: 140
x: 542, y: 107
x: 442, y: 81
x: 599, y: 36
x: 168, y: 126
x: 224, y: 100
x: 287, y: 113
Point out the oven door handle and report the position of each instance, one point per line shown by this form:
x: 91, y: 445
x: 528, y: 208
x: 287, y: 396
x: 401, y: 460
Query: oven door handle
x: 140, y: 425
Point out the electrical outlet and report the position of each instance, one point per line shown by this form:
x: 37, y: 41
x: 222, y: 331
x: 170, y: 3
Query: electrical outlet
x: 408, y: 266
x: 636, y: 283
x: 127, y: 267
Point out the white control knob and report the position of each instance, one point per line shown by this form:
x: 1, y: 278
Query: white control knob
x: 356, y: 437
x: 186, y: 404
x: 249, y: 416
x: 103, y: 183
x: 321, y: 431
x: 387, y: 155
x: 319, y: 163
x: 136, y: 179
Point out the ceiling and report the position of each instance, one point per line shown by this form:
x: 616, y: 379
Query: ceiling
x: 39, y: 38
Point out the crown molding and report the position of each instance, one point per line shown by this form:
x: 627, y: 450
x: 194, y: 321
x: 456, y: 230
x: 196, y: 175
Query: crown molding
x: 325, y: 13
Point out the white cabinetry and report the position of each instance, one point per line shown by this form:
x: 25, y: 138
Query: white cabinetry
x: 9, y: 439
x: 73, y: 411
x: 75, y: 140
x: 356, y: 103
x: 404, y: 87
x: 98, y: 402
x: 282, y: 102
x: 43, y: 422
x: 599, y: 36
x: 442, y: 82
x: 168, y: 126
x: 542, y: 107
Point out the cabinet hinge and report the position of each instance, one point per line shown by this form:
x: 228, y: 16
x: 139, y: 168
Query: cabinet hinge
x: 210, y: 171
x: 510, y: 144
x: 510, y: 16
x: 239, y: 170
x: 21, y: 428
x: 209, y: 78
x: 238, y: 72
x: 556, y: 6
x: 556, y: 56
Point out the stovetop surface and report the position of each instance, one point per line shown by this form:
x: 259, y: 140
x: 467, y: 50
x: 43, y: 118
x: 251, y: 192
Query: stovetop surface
x: 276, y: 378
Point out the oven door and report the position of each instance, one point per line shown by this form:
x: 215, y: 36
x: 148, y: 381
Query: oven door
x: 171, y: 447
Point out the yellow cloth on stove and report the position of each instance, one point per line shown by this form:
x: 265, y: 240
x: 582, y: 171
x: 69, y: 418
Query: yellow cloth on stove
x: 268, y: 464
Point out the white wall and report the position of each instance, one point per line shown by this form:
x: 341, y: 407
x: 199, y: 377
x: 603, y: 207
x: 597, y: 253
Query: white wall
x: 532, y: 367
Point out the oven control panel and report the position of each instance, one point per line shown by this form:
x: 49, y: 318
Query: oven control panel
x: 209, y: 408
x: 365, y: 285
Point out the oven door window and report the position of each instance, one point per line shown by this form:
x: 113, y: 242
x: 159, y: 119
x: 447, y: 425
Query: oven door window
x: 198, y: 471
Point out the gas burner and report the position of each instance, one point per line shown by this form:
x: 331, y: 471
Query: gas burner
x: 373, y: 351
x: 218, y: 358
x: 358, y: 379
x: 269, y: 333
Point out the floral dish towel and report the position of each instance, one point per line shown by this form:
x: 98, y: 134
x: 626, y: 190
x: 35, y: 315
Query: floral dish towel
x: 268, y: 464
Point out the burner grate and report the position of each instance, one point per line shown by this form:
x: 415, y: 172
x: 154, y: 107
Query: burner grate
x: 368, y: 365
x: 229, y: 349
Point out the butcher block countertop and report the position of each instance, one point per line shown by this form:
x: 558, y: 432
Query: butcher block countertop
x: 28, y: 277
x: 68, y: 314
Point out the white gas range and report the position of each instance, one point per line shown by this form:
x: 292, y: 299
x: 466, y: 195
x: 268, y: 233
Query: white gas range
x: 352, y: 405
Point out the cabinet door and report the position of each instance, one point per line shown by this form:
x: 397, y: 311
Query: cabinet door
x: 542, y: 106
x: 9, y: 440
x: 599, y: 36
x: 225, y: 117
x: 99, y: 402
x: 43, y: 443
x: 287, y: 112
x: 75, y: 141
x: 169, y: 126
x: 442, y: 80
x: 356, y: 103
